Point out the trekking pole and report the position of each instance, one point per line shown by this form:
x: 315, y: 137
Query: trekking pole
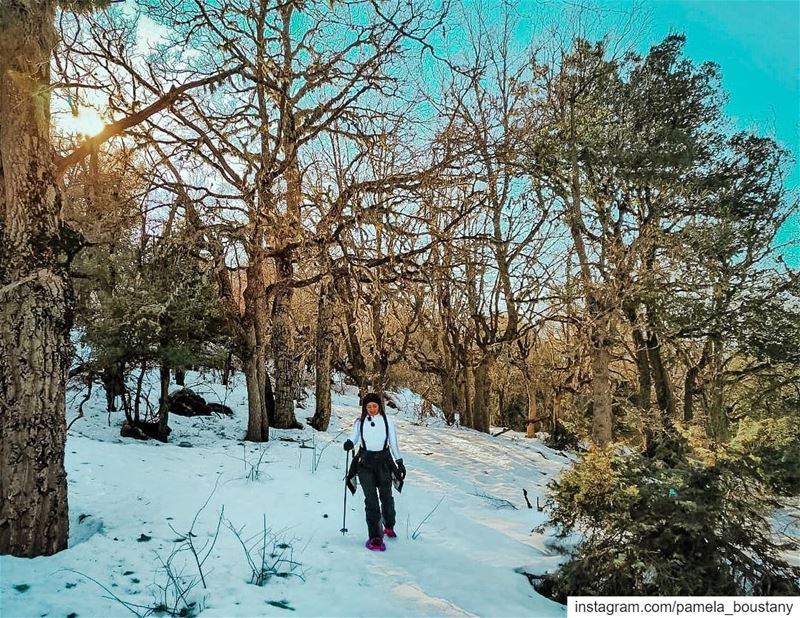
x: 346, y: 472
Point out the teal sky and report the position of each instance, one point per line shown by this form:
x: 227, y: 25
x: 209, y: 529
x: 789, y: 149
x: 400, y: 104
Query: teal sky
x: 757, y: 45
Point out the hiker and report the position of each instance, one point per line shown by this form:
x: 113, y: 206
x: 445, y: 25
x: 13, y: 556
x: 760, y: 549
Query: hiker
x: 378, y: 464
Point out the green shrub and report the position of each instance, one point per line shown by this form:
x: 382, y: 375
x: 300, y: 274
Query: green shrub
x: 666, y: 525
x: 773, y: 446
x: 562, y: 438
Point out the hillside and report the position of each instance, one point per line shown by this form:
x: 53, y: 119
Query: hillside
x: 132, y: 502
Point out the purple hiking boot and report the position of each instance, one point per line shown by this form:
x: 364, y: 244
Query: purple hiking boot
x: 376, y: 544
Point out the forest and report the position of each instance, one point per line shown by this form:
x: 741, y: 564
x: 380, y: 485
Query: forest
x: 546, y: 233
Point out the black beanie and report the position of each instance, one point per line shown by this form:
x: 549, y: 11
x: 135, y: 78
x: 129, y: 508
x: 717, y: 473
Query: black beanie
x: 371, y: 398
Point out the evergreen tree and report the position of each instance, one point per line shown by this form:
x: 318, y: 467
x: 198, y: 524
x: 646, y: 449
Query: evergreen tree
x: 670, y: 524
x: 162, y: 311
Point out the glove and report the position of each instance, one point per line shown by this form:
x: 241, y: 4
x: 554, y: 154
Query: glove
x: 401, y: 468
x: 348, y: 445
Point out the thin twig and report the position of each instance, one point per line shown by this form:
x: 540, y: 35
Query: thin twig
x: 499, y: 503
x: 129, y: 606
x: 90, y: 382
x: 415, y: 534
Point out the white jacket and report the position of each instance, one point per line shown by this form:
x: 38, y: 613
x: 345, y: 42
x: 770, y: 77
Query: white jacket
x: 375, y: 434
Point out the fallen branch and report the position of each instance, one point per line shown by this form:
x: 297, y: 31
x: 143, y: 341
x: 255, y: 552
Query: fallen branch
x: 499, y: 503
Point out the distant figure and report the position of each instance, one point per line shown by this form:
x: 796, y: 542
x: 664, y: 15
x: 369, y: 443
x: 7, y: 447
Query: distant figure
x: 377, y: 464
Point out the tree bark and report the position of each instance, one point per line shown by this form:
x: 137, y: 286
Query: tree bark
x: 287, y: 229
x: 138, y: 396
x: 113, y: 378
x: 690, y: 383
x: 163, y: 403
x: 257, y: 423
x: 556, y: 412
x: 642, y: 361
x: 36, y: 300
x: 448, y: 396
x: 324, y: 357
x: 468, y: 417
x: 533, y: 408
x: 481, y: 414
x: 253, y: 349
x: 283, y: 351
x: 602, y: 414
x: 664, y: 396
x: 358, y: 366
x: 269, y: 398
x: 228, y: 369
x: 717, y: 420
x: 689, y: 388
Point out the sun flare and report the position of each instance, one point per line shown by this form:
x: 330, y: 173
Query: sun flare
x: 87, y: 122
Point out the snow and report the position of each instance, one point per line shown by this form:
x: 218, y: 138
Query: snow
x: 132, y: 502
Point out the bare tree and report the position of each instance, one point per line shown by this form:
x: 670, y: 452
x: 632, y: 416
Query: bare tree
x: 498, y: 259
x: 35, y: 287
x: 305, y: 68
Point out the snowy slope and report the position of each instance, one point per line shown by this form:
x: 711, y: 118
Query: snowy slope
x: 132, y: 502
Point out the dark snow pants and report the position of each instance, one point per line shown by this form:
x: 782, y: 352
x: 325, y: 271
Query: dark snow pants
x: 375, y: 476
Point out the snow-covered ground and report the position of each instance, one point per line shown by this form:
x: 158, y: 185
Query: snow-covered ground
x: 132, y: 505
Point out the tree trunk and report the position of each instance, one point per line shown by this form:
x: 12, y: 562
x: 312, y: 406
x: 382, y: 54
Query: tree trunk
x: 602, y: 414
x: 501, y: 406
x: 666, y: 401
x: 228, y: 369
x: 298, y: 379
x: 180, y: 376
x: 163, y: 404
x: 642, y: 362
x: 459, y: 402
x: 269, y: 398
x: 262, y: 376
x: 358, y: 366
x: 137, y: 400
x: 481, y: 413
x: 324, y: 357
x: 448, y: 396
x: 468, y: 417
x: 282, y: 351
x: 286, y: 231
x: 257, y: 423
x: 381, y: 373
x: 380, y: 358
x: 689, y: 388
x: 254, y: 372
x: 717, y: 420
x: 253, y: 347
x: 556, y: 412
x: 690, y: 383
x: 533, y: 408
x: 36, y: 301
x: 113, y: 378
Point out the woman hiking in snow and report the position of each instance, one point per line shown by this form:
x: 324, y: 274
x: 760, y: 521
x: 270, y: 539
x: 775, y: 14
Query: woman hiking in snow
x: 377, y: 464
